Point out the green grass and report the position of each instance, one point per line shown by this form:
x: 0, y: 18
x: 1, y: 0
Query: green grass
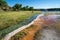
x: 23, y: 33
x: 8, y: 19
x: 19, y: 35
x: 24, y: 20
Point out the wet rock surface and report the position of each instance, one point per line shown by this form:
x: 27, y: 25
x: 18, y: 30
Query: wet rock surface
x: 49, y: 32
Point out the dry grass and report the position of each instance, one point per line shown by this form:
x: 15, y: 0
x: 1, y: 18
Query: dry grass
x: 10, y: 18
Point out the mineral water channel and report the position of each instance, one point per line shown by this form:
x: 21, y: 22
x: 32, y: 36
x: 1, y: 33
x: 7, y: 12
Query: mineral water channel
x: 47, y: 33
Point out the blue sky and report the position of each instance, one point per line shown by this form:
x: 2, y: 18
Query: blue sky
x: 36, y: 3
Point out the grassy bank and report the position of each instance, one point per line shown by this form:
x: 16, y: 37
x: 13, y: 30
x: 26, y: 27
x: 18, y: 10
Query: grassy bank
x: 12, y: 27
x: 23, y: 33
x: 8, y: 19
x: 26, y: 34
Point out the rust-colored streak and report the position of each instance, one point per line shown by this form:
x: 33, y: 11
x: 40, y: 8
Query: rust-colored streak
x: 30, y: 34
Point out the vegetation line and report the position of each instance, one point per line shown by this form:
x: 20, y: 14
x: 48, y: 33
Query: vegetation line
x: 8, y: 36
x: 14, y: 27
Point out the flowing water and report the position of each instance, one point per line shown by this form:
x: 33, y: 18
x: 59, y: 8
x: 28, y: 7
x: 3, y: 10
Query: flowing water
x: 48, y: 33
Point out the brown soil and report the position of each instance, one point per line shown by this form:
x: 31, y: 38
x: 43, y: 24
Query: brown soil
x: 30, y: 33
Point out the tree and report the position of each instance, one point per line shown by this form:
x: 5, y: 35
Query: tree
x: 25, y: 8
x: 17, y: 7
x: 3, y: 5
x: 31, y: 9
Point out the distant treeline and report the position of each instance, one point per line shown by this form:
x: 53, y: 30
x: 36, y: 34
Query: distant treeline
x: 50, y: 9
x: 54, y: 9
x: 17, y: 7
x: 5, y: 7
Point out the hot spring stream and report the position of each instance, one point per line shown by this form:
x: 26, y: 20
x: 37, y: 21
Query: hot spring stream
x: 48, y: 33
